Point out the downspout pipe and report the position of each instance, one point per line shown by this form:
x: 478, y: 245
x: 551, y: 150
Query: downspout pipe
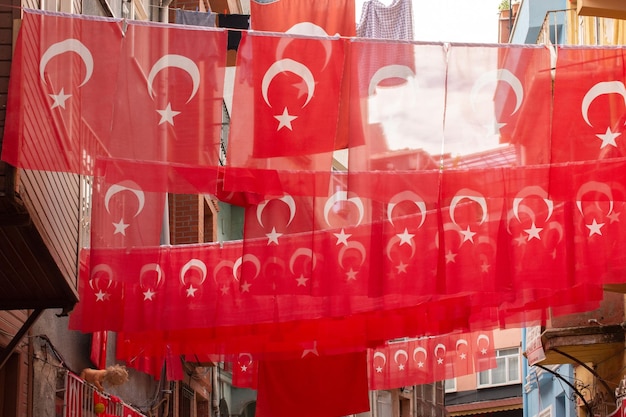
x: 574, y: 389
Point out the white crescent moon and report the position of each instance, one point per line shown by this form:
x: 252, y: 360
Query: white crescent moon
x: 470, y: 195
x: 133, y: 187
x: 499, y: 75
x: 400, y: 352
x: 68, y: 45
x: 386, y: 72
x: 481, y: 337
x: 605, y: 87
x: 101, y: 268
x: 380, y: 355
x: 287, y: 199
x: 528, y: 191
x: 193, y: 263
x: 395, y: 239
x: 288, y: 65
x: 594, y: 186
x: 176, y: 61
x: 302, y: 252
x: 343, y: 196
x: 352, y: 245
x: 440, y: 346
x: 446, y: 228
x: 247, y: 258
x: 273, y: 261
x: 406, y: 196
x: 245, y: 355
x: 151, y: 267
x: 420, y: 349
x: 510, y: 215
x: 461, y: 342
x: 222, y: 264
x: 555, y: 226
x: 306, y: 29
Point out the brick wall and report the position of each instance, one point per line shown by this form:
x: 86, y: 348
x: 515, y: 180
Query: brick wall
x: 186, y: 218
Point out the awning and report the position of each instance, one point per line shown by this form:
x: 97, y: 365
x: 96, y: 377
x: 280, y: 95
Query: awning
x: 481, y: 407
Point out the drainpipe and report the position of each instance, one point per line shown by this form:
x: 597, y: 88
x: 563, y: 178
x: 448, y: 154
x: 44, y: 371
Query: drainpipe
x: 215, y: 394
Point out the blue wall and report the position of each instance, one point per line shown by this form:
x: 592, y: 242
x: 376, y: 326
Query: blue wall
x: 531, y: 15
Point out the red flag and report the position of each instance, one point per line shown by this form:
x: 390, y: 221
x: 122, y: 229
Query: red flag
x: 484, y: 351
x: 290, y: 85
x: 245, y: 371
x: 178, y: 89
x: 326, y: 17
x: 313, y: 386
x: 589, y: 89
x: 60, y: 101
x: 98, y: 353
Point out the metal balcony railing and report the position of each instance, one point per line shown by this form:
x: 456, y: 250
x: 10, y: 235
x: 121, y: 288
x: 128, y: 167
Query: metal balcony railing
x: 84, y: 400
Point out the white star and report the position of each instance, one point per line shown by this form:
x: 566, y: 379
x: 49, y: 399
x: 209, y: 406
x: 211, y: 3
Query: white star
x: 100, y: 295
x: 439, y: 361
x: 420, y: 364
x: 244, y: 368
x: 342, y: 237
x: 594, y: 228
x: 484, y: 267
x: 450, y: 257
x: 493, y: 128
x: 59, y: 99
x: 533, y: 232
x: 467, y: 235
x: 191, y: 291
x: 224, y: 290
x: 401, y: 367
x: 120, y: 227
x: 405, y: 237
x: 148, y: 295
x: 302, y: 281
x: 284, y: 120
x: 401, y: 267
x: 521, y: 240
x: 608, y: 138
x: 379, y: 369
x: 311, y: 351
x: 351, y: 274
x: 463, y: 356
x: 614, y: 216
x: 245, y: 287
x: 273, y: 236
x: 167, y: 115
x: 483, y: 351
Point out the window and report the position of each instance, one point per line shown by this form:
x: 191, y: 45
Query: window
x: 506, y: 372
x: 450, y: 385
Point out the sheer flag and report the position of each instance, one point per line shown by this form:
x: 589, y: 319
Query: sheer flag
x: 326, y: 17
x: 297, y: 385
x: 589, y: 89
x: 60, y: 102
x: 179, y: 89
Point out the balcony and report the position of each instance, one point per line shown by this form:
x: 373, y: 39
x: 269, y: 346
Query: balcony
x: 76, y: 398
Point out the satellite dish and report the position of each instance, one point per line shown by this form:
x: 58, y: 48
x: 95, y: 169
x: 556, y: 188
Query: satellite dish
x: 224, y: 408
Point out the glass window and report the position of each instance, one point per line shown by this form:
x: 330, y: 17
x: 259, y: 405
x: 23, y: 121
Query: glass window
x: 507, y: 370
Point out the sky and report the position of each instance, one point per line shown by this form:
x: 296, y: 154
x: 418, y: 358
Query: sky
x: 452, y: 20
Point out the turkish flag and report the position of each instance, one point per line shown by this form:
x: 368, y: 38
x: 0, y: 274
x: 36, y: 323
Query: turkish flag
x: 60, y: 101
x: 169, y: 100
x: 245, y: 371
x: 333, y: 17
x: 291, y: 86
x: 313, y: 386
x: 589, y: 89
x: 497, y: 95
x: 397, y: 98
x: 124, y: 214
x: 484, y: 350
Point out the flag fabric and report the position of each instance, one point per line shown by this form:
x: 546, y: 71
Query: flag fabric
x: 326, y: 17
x: 313, y: 385
x: 179, y: 89
x: 589, y: 88
x: 98, y: 354
x: 60, y: 104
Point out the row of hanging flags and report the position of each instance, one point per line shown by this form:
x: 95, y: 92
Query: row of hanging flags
x: 482, y: 188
